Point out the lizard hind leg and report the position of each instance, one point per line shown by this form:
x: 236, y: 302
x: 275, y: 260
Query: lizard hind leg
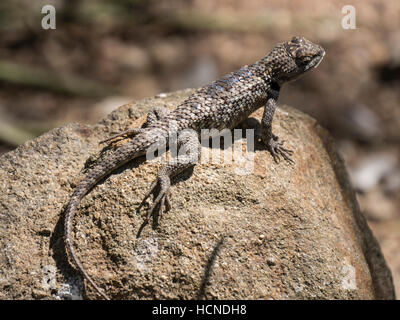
x: 162, y: 181
x: 124, y: 134
x: 154, y: 115
x: 189, y: 151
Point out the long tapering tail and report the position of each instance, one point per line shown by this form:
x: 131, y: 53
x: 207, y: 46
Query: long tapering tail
x: 131, y: 150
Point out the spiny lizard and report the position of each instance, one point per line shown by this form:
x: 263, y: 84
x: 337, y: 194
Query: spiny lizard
x: 224, y: 103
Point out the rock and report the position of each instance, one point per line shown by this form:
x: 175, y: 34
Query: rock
x: 276, y: 232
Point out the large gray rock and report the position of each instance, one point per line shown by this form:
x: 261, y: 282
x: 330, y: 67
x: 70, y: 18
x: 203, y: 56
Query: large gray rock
x: 280, y: 232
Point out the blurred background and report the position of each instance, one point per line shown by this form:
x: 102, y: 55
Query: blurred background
x: 103, y: 54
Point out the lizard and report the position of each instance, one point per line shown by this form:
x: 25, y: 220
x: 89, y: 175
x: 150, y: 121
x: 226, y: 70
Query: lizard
x: 222, y: 104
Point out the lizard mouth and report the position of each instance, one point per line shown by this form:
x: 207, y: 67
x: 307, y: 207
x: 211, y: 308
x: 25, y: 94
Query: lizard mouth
x: 317, y: 60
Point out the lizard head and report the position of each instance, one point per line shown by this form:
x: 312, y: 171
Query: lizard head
x: 296, y: 57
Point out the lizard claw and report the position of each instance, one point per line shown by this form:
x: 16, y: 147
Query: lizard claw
x: 162, y: 200
x: 125, y: 134
x: 277, y: 151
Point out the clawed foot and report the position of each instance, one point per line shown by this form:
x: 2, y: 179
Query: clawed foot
x: 277, y: 150
x: 162, y: 200
x: 124, y: 135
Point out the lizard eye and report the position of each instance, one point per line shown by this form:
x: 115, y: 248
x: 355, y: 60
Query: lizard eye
x: 296, y: 40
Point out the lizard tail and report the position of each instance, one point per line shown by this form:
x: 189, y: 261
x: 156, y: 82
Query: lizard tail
x: 127, y: 152
x: 69, y: 216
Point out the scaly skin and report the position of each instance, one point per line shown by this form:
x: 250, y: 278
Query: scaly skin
x: 224, y: 103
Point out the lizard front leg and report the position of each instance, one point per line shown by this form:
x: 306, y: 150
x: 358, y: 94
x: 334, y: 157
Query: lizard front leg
x: 189, y: 149
x: 154, y: 115
x: 271, y: 141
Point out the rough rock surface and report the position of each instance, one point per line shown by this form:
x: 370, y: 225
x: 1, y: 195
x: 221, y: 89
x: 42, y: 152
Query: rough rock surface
x: 279, y: 232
